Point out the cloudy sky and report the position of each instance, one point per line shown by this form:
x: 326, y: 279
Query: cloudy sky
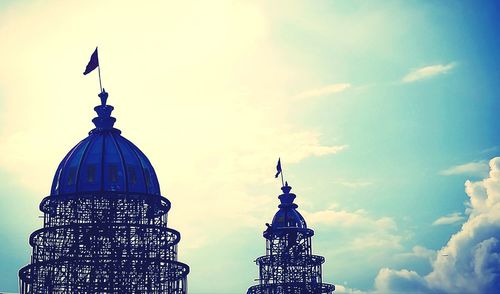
x: 385, y: 115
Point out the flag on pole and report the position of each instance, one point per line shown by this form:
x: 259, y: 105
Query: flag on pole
x: 93, y: 63
x: 278, y: 168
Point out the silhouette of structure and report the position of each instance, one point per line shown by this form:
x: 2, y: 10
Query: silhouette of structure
x: 289, y: 267
x: 105, y: 222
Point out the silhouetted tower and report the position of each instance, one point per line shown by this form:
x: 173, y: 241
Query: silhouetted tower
x: 105, y: 222
x: 289, y: 267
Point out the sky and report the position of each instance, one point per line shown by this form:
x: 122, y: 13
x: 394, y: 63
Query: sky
x: 384, y: 114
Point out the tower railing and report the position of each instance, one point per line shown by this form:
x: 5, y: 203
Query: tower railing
x: 104, y: 243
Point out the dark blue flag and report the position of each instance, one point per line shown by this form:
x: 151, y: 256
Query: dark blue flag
x: 278, y: 168
x: 93, y: 63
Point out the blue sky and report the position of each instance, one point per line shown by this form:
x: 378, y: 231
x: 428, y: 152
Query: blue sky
x: 380, y: 110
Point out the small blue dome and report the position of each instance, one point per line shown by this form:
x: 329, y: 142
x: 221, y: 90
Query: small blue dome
x: 287, y: 215
x: 105, y: 161
x: 288, y: 218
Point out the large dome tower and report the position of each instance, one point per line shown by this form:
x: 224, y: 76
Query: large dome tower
x: 105, y: 222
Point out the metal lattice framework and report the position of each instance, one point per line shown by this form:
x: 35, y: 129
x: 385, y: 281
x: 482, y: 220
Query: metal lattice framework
x: 115, y: 240
x: 289, y: 267
x: 104, y: 243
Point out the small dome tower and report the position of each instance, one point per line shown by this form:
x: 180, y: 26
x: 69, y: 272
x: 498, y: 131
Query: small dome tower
x: 289, y: 267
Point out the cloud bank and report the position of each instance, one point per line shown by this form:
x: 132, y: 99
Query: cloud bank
x: 470, y: 261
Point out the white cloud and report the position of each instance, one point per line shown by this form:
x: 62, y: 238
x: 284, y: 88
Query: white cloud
x: 324, y: 91
x: 490, y: 149
x: 419, y: 252
x: 470, y: 261
x: 427, y: 72
x: 366, y: 231
x: 390, y: 281
x: 341, y: 289
x: 380, y: 240
x: 343, y: 218
x: 449, y: 219
x: 474, y: 168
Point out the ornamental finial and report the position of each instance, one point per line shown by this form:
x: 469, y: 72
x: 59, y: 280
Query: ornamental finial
x: 104, y: 96
x: 104, y: 121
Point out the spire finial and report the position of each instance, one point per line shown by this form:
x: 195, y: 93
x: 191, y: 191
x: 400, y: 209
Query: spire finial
x: 286, y: 189
x: 104, y: 96
x: 104, y: 121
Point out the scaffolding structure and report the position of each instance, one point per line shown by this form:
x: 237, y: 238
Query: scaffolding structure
x: 289, y: 267
x: 105, y: 223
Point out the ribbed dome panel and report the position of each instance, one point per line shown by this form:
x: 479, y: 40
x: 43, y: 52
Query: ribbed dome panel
x: 105, y: 161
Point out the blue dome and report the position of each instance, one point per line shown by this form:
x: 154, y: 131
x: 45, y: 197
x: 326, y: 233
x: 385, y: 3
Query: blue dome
x: 288, y: 218
x: 105, y: 161
x: 287, y: 215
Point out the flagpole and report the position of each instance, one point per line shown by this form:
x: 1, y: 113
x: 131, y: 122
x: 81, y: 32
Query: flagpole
x: 282, y: 182
x: 99, y: 70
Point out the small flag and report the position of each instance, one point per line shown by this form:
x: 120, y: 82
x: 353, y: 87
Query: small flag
x: 278, y: 168
x: 93, y: 63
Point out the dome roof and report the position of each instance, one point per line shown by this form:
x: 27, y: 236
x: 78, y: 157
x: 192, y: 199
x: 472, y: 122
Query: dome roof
x: 288, y: 218
x: 287, y: 215
x: 105, y: 161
